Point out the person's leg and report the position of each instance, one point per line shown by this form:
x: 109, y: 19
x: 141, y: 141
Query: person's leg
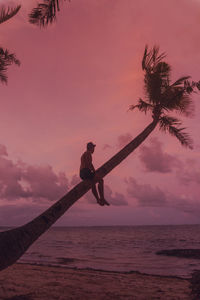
x: 101, y: 191
x: 94, y: 191
x: 87, y: 175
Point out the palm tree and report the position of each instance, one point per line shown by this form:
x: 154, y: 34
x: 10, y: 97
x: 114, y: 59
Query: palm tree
x: 6, y: 58
x: 45, y: 13
x: 162, y: 97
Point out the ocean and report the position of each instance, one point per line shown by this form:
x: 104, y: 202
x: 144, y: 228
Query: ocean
x: 117, y: 248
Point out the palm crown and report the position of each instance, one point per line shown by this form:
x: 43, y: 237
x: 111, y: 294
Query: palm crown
x: 163, y: 97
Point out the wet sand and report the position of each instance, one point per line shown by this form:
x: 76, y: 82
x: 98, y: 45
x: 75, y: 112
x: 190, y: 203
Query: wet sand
x: 30, y: 282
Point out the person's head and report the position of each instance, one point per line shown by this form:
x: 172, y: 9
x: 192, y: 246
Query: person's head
x: 90, y: 147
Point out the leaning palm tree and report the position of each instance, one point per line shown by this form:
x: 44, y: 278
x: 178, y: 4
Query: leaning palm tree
x: 162, y: 97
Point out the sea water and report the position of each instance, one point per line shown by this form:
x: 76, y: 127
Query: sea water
x: 117, y: 248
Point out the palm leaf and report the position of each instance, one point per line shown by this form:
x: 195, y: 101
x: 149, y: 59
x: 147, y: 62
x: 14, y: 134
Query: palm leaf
x: 6, y: 59
x: 169, y: 124
x: 156, y: 82
x: 180, y: 80
x: 142, y: 106
x: 189, y: 86
x: 44, y: 13
x: 177, y: 99
x: 6, y: 14
x: 157, y: 73
x: 151, y: 58
x: 198, y: 85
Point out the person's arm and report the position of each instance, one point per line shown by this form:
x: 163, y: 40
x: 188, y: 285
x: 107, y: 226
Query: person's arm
x: 92, y: 167
x: 89, y: 162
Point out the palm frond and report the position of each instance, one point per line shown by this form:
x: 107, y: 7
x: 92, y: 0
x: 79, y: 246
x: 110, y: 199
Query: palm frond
x: 6, y: 14
x: 142, y: 106
x: 198, y: 85
x: 189, y: 86
x: 6, y: 59
x: 176, y: 98
x: 166, y: 121
x: 157, y: 74
x: 45, y: 12
x: 180, y: 81
x: 171, y: 125
x: 156, y: 82
x: 151, y: 58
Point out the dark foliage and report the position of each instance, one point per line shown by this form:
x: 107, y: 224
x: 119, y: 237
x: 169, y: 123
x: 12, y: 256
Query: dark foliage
x: 6, y: 14
x: 45, y: 12
x: 6, y: 59
x: 162, y: 96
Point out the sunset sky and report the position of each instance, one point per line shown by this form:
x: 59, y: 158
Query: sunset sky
x: 76, y: 81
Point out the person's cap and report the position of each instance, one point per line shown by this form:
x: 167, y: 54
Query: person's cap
x: 90, y: 145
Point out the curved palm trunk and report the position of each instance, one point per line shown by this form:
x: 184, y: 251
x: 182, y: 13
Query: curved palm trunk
x: 14, y: 242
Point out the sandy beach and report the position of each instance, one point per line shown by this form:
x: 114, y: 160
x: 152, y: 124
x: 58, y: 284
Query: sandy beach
x: 30, y: 282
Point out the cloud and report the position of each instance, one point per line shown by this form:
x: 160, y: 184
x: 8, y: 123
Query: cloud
x: 106, y: 146
x: 75, y: 180
x: 116, y: 198
x: 44, y: 182
x: 146, y: 194
x: 124, y: 139
x: 155, y: 160
x: 186, y: 203
x: 3, y: 150
x: 19, y: 180
x: 189, y: 173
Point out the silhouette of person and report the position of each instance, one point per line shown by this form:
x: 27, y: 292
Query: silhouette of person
x: 87, y: 172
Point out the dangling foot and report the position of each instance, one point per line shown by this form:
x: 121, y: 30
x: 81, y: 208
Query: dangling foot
x: 100, y: 202
x: 105, y: 202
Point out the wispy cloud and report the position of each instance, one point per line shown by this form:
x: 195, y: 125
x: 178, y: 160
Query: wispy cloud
x: 145, y: 194
x: 20, y: 180
x: 155, y: 159
x: 124, y: 139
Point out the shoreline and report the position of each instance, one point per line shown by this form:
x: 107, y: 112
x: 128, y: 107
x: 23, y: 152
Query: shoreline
x: 103, y: 271
x: 33, y: 282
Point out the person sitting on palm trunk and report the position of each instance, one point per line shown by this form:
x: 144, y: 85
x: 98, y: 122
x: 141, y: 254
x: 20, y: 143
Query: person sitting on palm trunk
x: 87, y: 172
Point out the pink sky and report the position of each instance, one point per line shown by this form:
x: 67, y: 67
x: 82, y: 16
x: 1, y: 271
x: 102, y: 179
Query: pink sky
x: 76, y: 81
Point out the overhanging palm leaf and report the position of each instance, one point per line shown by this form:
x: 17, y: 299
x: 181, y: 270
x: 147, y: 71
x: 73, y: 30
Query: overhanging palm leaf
x: 180, y: 81
x: 6, y: 14
x: 6, y: 59
x: 172, y: 125
x: 176, y: 98
x: 142, y: 106
x: 44, y: 13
